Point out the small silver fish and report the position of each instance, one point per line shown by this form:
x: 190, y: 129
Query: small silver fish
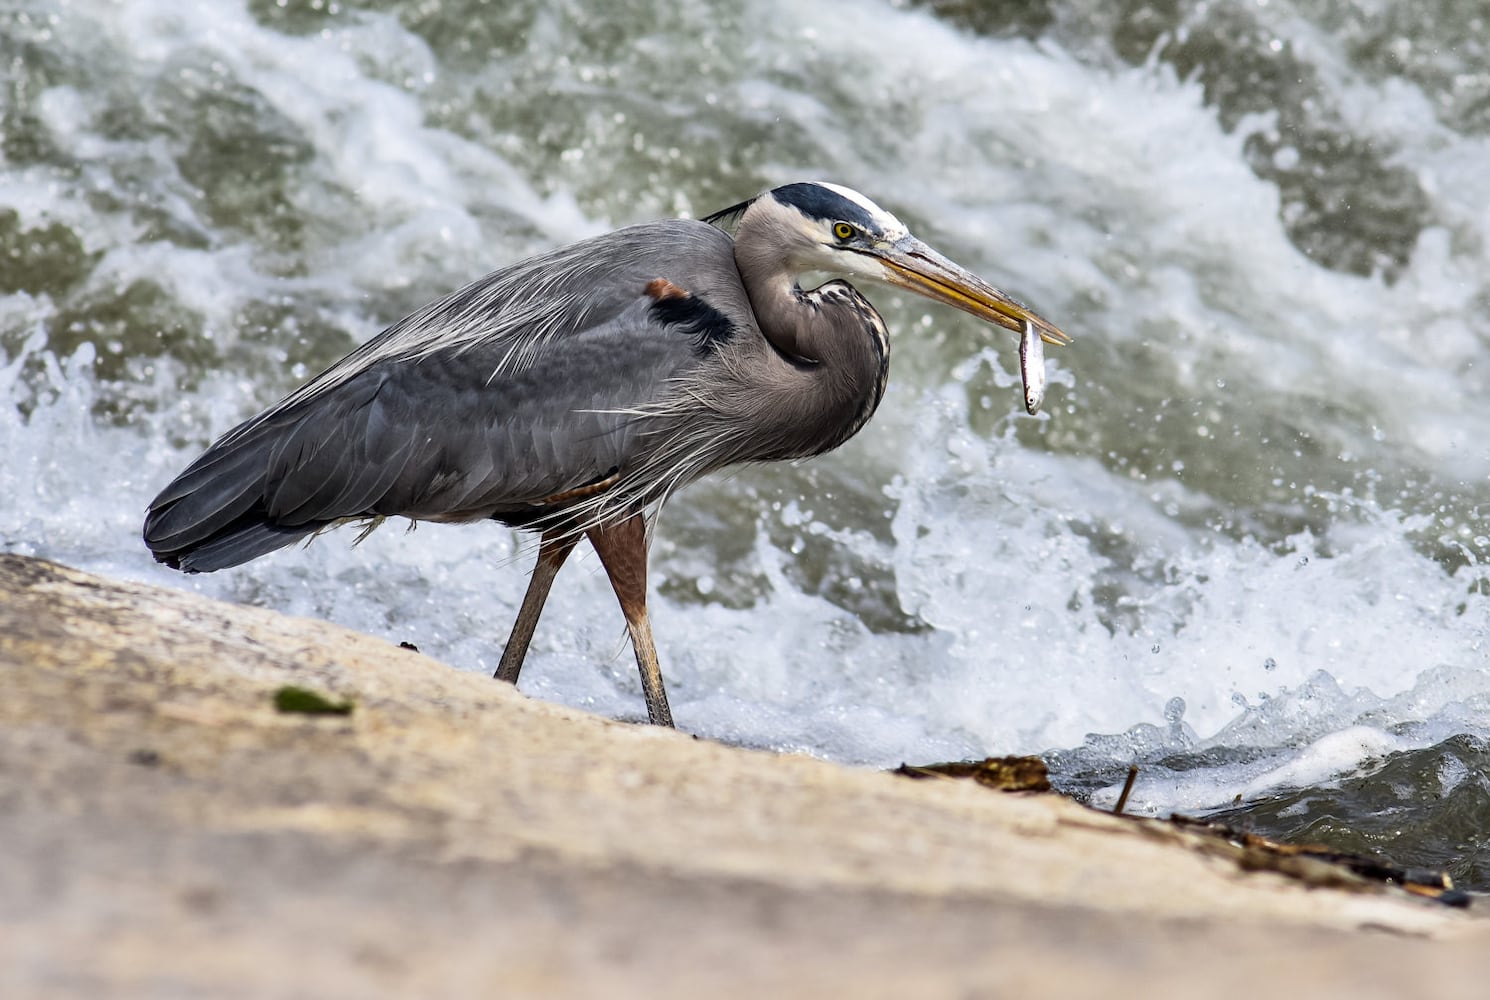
x: 1032, y: 367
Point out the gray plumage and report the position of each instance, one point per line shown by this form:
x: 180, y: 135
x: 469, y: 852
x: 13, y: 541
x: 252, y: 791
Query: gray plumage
x: 575, y: 391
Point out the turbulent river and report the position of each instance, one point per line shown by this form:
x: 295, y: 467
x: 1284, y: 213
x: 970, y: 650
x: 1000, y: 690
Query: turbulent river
x: 1245, y: 546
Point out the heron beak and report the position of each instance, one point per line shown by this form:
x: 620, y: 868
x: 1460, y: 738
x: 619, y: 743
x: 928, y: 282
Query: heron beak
x: 913, y: 265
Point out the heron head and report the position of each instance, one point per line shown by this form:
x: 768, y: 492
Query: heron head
x: 827, y: 228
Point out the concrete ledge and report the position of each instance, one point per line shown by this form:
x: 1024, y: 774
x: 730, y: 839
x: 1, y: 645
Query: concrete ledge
x: 168, y: 832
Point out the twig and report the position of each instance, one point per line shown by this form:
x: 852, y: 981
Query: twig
x: 1122, y: 801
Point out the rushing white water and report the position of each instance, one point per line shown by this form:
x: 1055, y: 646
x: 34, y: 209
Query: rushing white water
x: 1260, y: 485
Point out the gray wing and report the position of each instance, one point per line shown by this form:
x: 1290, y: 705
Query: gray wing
x: 513, y: 391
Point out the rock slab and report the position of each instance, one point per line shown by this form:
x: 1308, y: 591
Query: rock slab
x: 168, y: 832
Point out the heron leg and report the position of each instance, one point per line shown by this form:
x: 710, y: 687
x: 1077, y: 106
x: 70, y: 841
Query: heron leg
x: 623, y: 552
x: 552, y: 552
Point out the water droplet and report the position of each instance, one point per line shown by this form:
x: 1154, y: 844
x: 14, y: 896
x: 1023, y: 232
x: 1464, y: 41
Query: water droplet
x: 1270, y: 664
x: 1155, y: 649
x: 1174, y: 711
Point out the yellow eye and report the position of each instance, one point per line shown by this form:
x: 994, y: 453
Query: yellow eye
x: 843, y: 230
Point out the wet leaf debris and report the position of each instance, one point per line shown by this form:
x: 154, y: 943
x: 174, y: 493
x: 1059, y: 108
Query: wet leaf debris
x: 1317, y: 865
x: 1007, y: 774
x: 1312, y: 864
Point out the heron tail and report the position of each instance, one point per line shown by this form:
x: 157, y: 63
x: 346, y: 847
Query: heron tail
x: 215, y: 514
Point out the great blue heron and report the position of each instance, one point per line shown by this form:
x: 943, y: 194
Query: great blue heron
x: 572, y: 393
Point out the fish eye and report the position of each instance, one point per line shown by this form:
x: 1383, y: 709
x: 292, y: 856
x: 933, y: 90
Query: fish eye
x: 843, y: 230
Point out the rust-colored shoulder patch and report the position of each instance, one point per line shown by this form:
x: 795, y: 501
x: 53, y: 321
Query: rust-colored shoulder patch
x: 661, y: 289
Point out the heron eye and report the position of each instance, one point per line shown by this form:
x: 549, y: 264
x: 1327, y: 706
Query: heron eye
x: 843, y: 230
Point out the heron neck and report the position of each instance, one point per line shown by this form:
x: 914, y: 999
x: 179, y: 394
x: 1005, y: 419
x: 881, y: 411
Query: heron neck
x: 838, y: 348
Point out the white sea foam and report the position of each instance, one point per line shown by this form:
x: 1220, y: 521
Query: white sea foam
x: 1061, y: 591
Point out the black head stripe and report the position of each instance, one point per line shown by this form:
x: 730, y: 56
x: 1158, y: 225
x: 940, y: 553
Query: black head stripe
x: 818, y: 202
x: 725, y: 218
